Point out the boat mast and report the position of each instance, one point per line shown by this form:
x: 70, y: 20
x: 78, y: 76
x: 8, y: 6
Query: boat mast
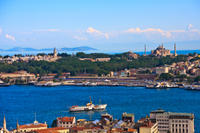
x: 99, y: 101
x: 90, y: 100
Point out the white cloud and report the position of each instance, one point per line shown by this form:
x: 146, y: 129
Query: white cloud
x: 92, y: 30
x: 47, y: 30
x: 106, y: 35
x: 0, y: 31
x: 95, y: 32
x: 189, y: 27
x: 189, y: 33
x: 80, y: 38
x: 10, y: 37
x: 149, y: 30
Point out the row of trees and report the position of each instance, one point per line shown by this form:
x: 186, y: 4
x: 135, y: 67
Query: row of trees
x: 72, y: 64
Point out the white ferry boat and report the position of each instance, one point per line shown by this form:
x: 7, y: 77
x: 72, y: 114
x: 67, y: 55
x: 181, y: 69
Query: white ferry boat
x: 89, y: 107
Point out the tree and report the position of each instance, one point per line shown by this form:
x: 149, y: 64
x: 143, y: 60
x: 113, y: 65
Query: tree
x: 197, y: 79
x: 181, y: 77
x: 165, y: 76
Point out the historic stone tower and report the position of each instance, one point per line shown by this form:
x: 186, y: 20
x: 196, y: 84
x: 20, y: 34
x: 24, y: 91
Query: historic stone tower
x: 54, y: 53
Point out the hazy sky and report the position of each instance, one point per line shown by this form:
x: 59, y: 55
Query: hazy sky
x: 103, y: 24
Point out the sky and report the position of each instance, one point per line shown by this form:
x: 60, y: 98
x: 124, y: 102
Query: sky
x: 108, y: 25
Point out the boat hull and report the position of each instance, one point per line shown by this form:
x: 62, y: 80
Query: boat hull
x: 88, y: 108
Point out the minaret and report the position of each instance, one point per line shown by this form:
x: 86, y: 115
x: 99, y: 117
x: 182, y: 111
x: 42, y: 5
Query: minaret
x: 162, y: 51
x: 145, y: 50
x: 17, y: 126
x: 4, y: 125
x: 175, y: 54
x: 54, y: 53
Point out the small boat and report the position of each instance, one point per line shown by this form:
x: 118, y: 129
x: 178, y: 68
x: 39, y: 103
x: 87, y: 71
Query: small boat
x: 163, y: 85
x: 89, y: 107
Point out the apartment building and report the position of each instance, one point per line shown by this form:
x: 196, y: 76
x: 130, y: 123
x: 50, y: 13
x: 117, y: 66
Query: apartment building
x: 66, y: 122
x: 173, y: 122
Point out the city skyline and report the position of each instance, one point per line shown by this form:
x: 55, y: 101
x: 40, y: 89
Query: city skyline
x: 104, y: 25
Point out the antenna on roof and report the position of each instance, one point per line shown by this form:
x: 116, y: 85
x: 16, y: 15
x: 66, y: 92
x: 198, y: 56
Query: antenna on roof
x: 35, y: 116
x: 35, y: 122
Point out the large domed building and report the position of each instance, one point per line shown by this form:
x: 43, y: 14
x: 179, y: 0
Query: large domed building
x: 160, y: 51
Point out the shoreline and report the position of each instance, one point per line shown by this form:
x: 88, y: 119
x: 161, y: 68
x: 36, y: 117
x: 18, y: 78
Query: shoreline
x: 161, y: 88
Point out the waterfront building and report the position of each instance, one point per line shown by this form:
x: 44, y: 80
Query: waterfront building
x: 122, y: 73
x: 30, y: 127
x: 173, y: 122
x: 18, y: 76
x: 160, y: 51
x: 66, y: 122
x: 160, y: 70
x: 144, y: 76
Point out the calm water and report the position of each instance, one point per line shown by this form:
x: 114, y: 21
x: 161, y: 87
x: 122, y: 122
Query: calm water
x: 20, y: 102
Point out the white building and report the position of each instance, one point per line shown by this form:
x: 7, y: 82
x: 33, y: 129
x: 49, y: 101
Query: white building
x: 160, y: 70
x: 66, y: 122
x: 173, y: 122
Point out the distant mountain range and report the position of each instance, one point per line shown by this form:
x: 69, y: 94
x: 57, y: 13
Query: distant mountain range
x: 20, y: 49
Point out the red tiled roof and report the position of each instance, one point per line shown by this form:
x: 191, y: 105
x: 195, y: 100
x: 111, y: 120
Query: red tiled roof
x: 51, y: 130
x: 33, y: 125
x: 148, y: 124
x: 66, y: 119
x: 52, y: 74
x: 82, y: 128
x: 78, y: 128
x: 132, y: 130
